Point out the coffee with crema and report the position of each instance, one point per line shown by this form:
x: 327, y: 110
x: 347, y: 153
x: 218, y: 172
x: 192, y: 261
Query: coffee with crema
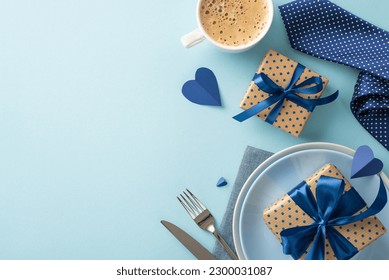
x: 234, y: 22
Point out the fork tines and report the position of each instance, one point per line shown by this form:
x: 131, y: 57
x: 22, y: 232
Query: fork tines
x: 191, y: 204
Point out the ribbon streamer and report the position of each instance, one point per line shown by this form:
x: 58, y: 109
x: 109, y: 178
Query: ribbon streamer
x: 331, y: 208
x: 278, y: 94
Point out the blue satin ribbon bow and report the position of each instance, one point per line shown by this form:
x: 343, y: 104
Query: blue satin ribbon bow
x: 331, y: 208
x: 277, y: 95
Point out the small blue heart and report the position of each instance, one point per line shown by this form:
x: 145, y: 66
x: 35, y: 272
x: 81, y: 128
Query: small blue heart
x: 203, y: 89
x: 221, y: 182
x: 364, y: 163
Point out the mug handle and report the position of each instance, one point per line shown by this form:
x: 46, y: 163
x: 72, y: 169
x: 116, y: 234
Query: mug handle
x: 192, y: 38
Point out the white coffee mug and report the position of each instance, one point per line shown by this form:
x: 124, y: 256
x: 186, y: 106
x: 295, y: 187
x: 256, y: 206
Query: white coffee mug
x: 199, y: 34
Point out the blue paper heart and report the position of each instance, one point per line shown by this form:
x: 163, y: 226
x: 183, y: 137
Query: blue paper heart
x: 364, y: 163
x: 221, y: 182
x: 204, y: 89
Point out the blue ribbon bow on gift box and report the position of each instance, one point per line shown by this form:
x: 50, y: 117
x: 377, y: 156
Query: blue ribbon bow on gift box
x: 332, y: 207
x: 278, y: 94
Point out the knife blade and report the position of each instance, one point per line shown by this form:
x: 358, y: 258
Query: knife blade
x: 198, y: 250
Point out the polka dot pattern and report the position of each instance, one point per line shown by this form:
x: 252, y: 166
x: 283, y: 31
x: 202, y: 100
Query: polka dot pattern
x: 325, y: 30
x: 292, y: 118
x: 285, y: 213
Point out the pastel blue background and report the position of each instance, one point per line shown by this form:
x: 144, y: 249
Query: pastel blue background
x: 96, y: 139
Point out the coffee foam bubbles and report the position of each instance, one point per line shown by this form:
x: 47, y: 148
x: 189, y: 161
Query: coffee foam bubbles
x: 234, y: 22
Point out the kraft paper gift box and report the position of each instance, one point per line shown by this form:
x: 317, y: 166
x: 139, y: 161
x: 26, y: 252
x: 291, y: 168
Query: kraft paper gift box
x: 285, y: 213
x: 279, y: 68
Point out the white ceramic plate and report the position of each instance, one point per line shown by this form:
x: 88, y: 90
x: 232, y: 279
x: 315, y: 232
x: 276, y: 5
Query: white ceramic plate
x: 276, y: 176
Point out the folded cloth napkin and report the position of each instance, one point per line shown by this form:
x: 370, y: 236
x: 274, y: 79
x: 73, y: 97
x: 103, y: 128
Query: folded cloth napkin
x: 251, y: 159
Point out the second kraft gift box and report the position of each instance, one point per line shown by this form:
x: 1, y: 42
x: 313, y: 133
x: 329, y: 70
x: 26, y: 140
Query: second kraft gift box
x: 288, y: 92
x: 286, y: 213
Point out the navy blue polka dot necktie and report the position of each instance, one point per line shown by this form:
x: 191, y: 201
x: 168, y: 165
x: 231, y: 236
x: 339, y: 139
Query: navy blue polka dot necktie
x: 325, y: 30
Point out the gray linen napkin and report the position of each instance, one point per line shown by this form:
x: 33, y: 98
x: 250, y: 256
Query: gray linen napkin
x: 251, y: 159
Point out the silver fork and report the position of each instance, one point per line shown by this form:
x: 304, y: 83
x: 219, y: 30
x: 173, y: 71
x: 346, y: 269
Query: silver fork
x: 203, y: 218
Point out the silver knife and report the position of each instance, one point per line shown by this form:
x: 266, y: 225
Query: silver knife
x: 198, y: 250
